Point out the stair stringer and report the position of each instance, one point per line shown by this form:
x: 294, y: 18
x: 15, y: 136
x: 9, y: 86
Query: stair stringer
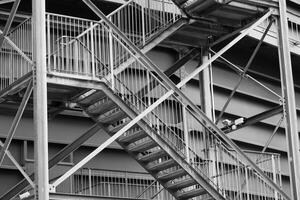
x: 156, y: 138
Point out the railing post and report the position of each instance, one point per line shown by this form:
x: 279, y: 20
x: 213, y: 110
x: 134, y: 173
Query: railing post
x: 111, y: 58
x: 49, y: 42
x: 93, y: 52
x: 247, y: 183
x: 186, y: 133
x: 143, y: 25
x: 90, y: 181
x: 274, y: 175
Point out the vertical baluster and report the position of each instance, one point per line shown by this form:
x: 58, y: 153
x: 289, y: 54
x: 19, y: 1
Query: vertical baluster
x: 92, y: 52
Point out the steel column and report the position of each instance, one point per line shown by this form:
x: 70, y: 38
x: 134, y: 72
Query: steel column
x: 206, y: 98
x: 288, y: 92
x: 40, y: 100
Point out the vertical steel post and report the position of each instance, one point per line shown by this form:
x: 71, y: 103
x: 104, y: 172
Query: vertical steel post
x: 40, y: 101
x: 206, y: 98
x: 186, y: 134
x: 288, y: 92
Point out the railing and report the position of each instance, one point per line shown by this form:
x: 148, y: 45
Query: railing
x: 13, y: 64
x: 140, y: 20
x: 108, y: 183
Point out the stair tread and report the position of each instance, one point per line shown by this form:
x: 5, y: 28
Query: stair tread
x: 140, y: 134
x: 172, y: 175
x: 143, y: 146
x: 110, y: 117
x: 90, y: 97
x: 190, y: 193
x: 161, y: 166
x: 101, y: 106
x: 152, y: 156
x: 186, y: 182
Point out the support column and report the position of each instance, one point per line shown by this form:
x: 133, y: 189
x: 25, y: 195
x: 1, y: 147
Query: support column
x: 206, y: 102
x: 205, y: 84
x: 288, y: 93
x: 40, y: 101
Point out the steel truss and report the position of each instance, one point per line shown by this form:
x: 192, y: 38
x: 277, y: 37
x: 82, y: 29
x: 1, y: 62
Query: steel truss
x: 38, y: 84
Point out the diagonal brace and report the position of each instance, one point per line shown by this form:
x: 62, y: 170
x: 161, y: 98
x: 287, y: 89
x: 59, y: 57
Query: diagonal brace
x: 109, y: 141
x: 14, y: 161
x: 249, y: 63
x: 16, y: 121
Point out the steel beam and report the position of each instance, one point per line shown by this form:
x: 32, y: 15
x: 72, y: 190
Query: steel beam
x: 6, y: 1
x: 249, y: 63
x: 40, y: 100
x: 175, y: 88
x: 287, y: 84
x: 55, y: 160
x: 9, y: 21
x: 74, y: 145
x: 16, y: 121
x: 205, y: 85
x: 257, y: 118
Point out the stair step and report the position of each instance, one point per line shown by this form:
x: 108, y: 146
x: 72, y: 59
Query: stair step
x: 110, y: 117
x: 117, y: 127
x: 91, y: 97
x: 143, y: 146
x: 152, y: 156
x: 172, y: 175
x: 181, y: 195
x: 186, y: 182
x: 140, y: 134
x: 101, y: 106
x: 161, y: 166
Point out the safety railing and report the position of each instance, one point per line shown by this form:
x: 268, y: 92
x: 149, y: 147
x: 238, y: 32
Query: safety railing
x: 140, y: 20
x: 13, y: 64
x: 109, y: 183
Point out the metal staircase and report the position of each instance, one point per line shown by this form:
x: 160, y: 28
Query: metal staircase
x: 161, y: 140
x: 108, y: 55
